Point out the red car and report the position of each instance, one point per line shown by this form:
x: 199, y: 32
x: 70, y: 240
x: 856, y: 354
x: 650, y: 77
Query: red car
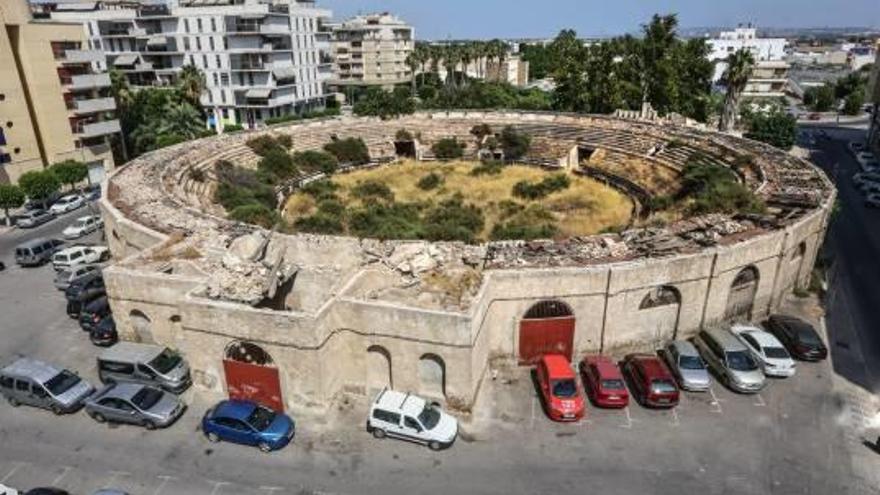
x: 604, y: 382
x: 562, y: 395
x: 652, y: 382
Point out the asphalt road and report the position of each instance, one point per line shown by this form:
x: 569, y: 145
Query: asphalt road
x: 786, y: 440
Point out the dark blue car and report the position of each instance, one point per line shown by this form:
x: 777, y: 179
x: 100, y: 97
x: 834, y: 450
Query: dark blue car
x: 246, y: 422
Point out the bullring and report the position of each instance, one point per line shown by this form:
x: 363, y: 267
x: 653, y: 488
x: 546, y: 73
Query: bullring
x: 302, y: 318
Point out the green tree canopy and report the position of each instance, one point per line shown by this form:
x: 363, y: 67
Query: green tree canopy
x: 70, y: 172
x: 39, y: 185
x: 775, y: 128
x: 11, y: 196
x: 349, y: 150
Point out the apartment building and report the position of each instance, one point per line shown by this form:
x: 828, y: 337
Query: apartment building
x: 874, y: 100
x: 371, y: 50
x: 770, y: 75
x: 261, y: 58
x: 54, y: 104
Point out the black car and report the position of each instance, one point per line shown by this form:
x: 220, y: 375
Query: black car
x: 104, y: 334
x: 82, y: 292
x: 93, y: 312
x: 798, y: 336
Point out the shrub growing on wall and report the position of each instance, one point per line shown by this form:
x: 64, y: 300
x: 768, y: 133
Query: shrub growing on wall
x: 316, y: 161
x: 713, y: 188
x: 448, y: 149
x: 277, y: 165
x: 349, y: 150
x: 257, y: 214
x: 262, y: 145
x: 514, y: 144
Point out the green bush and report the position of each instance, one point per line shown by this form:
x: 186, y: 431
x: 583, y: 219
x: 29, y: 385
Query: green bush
x: 278, y: 164
x: 292, y: 117
x: 372, y: 190
x: 165, y: 140
x: 385, y: 104
x: 332, y: 207
x: 430, y: 181
x: 232, y: 128
x: 320, y: 223
x: 452, y: 220
x: 392, y: 221
x: 448, y: 149
x: 774, y: 128
x: 488, y: 167
x: 321, y: 189
x: 403, y: 135
x: 239, y: 187
x: 514, y: 144
x: 316, y: 161
x: 549, y: 185
x: 480, y: 131
x: 533, y: 222
x: 349, y: 151
x: 256, y: 214
x: 262, y: 145
x: 714, y: 188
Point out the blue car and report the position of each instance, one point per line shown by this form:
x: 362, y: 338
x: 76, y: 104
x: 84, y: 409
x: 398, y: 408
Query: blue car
x: 248, y: 423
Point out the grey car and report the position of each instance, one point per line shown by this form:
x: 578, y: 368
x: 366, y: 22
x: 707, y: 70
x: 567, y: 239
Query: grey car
x: 731, y: 360
x: 136, y: 404
x: 35, y: 383
x: 686, y: 364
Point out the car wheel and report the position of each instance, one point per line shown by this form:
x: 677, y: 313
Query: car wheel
x: 435, y: 445
x: 148, y: 424
x: 99, y: 418
x: 378, y: 433
x: 264, y: 447
x: 213, y: 438
x: 13, y: 402
x: 56, y: 410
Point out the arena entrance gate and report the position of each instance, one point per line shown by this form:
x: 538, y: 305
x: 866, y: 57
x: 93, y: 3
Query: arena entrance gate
x: 741, y: 299
x: 547, y: 328
x: 251, y: 375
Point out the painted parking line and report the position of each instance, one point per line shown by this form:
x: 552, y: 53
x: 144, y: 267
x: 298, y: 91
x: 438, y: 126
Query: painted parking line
x: 759, y: 401
x: 675, y: 420
x: 217, y: 486
x: 15, y: 467
x: 532, y: 417
x: 165, y: 480
x: 65, y: 470
x: 115, y: 475
x: 629, y: 421
x: 271, y: 489
x: 716, y: 402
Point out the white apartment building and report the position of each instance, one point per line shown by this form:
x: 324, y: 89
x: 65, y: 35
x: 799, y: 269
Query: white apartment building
x: 371, y: 50
x: 261, y: 58
x: 770, y: 75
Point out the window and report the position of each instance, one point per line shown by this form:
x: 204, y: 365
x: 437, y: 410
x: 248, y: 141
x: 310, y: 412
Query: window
x: 217, y: 61
x: 224, y: 79
x: 213, y: 25
x: 186, y: 43
x: 386, y: 416
x: 39, y: 391
x: 412, y: 424
x: 199, y: 24
x: 114, y: 367
x: 216, y: 79
x: 211, y: 42
x: 231, y: 423
x: 186, y: 25
x: 146, y: 371
x: 204, y: 61
x: 5, y: 382
x: 22, y: 386
x: 752, y: 342
x: 198, y: 43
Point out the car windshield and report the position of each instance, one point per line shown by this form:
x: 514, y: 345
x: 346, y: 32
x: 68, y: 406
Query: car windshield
x: 807, y: 336
x: 776, y: 353
x: 429, y: 417
x: 261, y: 418
x: 741, y: 361
x: 662, y: 386
x: 146, y: 398
x: 612, y: 384
x: 166, y: 361
x: 62, y: 382
x: 564, y: 388
x: 63, y: 275
x: 690, y: 363
x: 81, y: 223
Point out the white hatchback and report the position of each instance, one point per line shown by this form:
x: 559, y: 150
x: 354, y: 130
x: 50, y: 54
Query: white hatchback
x: 67, y: 203
x: 774, y: 358
x: 408, y: 417
x: 83, y: 226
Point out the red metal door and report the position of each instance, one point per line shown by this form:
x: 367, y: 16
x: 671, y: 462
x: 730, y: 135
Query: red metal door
x: 538, y: 337
x: 254, y: 382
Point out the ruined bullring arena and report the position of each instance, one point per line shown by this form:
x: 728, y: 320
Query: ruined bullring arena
x: 297, y: 319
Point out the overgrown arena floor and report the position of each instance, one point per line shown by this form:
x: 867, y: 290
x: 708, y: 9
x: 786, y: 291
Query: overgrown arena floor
x: 585, y: 207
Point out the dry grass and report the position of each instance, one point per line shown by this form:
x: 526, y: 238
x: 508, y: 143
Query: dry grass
x: 657, y: 179
x: 586, y: 207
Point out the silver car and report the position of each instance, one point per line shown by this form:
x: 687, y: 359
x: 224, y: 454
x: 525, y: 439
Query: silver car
x: 731, y: 360
x: 35, y: 383
x: 686, y: 364
x: 136, y: 404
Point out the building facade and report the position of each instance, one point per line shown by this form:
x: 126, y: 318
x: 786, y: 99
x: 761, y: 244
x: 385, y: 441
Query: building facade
x: 770, y: 75
x: 874, y: 99
x: 371, y: 50
x: 54, y: 103
x: 261, y: 58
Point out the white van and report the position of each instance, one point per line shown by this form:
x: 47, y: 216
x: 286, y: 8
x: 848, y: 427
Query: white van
x: 79, y: 255
x: 405, y: 416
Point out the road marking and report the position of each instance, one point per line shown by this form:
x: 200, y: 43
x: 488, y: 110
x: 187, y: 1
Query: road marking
x: 271, y: 489
x: 15, y: 467
x: 715, y: 401
x: 217, y: 485
x: 114, y: 475
x: 675, y: 421
x: 759, y: 401
x: 64, y: 472
x: 164, y: 482
x: 532, y: 419
x: 629, y: 420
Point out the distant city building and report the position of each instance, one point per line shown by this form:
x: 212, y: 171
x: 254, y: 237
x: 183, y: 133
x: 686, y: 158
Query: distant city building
x: 874, y: 99
x: 371, y: 50
x: 770, y: 75
x: 261, y: 58
x: 55, y: 104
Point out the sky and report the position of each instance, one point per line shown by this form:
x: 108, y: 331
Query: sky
x: 486, y: 19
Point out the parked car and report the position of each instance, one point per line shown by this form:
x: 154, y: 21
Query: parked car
x: 104, y: 334
x: 79, y: 255
x: 65, y: 277
x: 83, y: 291
x: 36, y: 251
x: 603, y: 382
x: 731, y: 360
x: 93, y: 312
x: 248, y: 423
x: 46, y: 491
x: 862, y: 177
x: 872, y: 200
x: 146, y: 364
x: 408, y: 417
x: 93, y: 192
x: 686, y: 365
x: 2, y: 266
x: 35, y: 383
x: 135, y: 404
x: 869, y: 186
x: 67, y: 203
x: 798, y: 336
x: 856, y: 146
x: 774, y: 359
x: 33, y: 218
x: 83, y: 226
x: 652, y: 383
x: 562, y: 397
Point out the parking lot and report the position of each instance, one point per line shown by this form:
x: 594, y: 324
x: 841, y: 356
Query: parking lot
x: 794, y: 437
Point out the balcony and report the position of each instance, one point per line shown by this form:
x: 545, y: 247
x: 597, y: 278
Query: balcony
x: 81, y: 56
x: 87, y: 81
x: 96, y: 129
x: 274, y: 29
x: 93, y: 105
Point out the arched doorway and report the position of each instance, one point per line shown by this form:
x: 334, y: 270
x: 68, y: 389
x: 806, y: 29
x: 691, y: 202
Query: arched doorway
x: 142, y: 326
x: 432, y: 376
x: 663, y: 307
x: 546, y: 328
x: 251, y: 375
x: 741, y: 298
x: 378, y: 369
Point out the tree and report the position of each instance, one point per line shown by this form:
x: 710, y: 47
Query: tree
x: 572, y: 88
x: 775, y: 128
x: 70, y: 172
x: 820, y: 99
x: 735, y: 78
x: 852, y: 105
x: 11, y: 196
x: 191, y: 84
x: 385, y: 104
x: 316, y: 161
x: 514, y: 144
x: 349, y: 150
x: 181, y: 119
x: 278, y: 165
x: 39, y: 185
x: 448, y: 149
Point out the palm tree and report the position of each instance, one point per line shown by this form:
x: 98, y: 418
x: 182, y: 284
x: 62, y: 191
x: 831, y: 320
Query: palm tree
x: 191, y: 83
x: 450, y: 62
x: 181, y: 119
x: 735, y: 78
x: 413, y: 62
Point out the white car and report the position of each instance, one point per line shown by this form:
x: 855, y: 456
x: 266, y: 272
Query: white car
x: 408, y: 417
x: 67, y: 203
x: 79, y: 255
x: 83, y: 226
x: 774, y: 358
